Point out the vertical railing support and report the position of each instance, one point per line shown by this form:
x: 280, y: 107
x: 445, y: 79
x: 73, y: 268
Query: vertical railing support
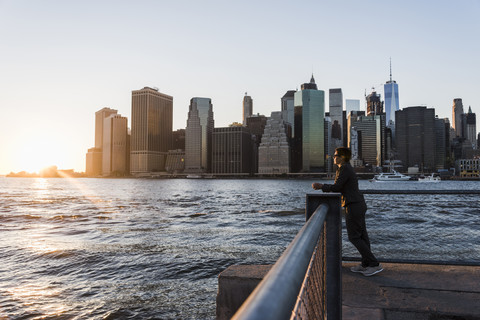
x: 333, y: 247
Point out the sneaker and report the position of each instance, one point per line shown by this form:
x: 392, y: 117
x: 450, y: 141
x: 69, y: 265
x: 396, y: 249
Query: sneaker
x: 370, y: 271
x: 358, y: 268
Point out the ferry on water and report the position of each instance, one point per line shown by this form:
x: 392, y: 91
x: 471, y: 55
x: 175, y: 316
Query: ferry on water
x: 390, y: 176
x: 431, y: 178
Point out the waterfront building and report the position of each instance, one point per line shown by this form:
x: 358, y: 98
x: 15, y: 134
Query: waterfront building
x: 352, y: 105
x: 288, y: 106
x: 94, y: 155
x: 175, y: 162
x: 296, y: 145
x: 392, y: 103
x: 354, y: 146
x: 457, y: 115
x: 369, y: 133
x: 94, y: 162
x: 328, y: 143
x: 468, y: 168
x: 152, y: 121
x: 100, y: 116
x: 374, y: 104
x: 198, y: 136
x: 336, y: 115
x: 256, y: 124
x: 335, y: 134
x: 311, y: 104
x: 416, y: 137
x: 247, y: 108
x: 274, y: 150
x: 231, y: 151
x: 115, y: 158
x: 471, y: 128
x: 441, y: 143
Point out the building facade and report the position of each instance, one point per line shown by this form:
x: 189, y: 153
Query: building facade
x: 416, y: 137
x: 441, y: 143
x: 94, y: 162
x: 231, y: 151
x: 374, y: 104
x: 94, y: 155
x: 198, y: 136
x: 287, y: 107
x: 471, y: 128
x: 311, y: 103
x: 392, y: 104
x: 367, y: 138
x: 152, y: 121
x: 274, y: 150
x: 457, y: 115
x: 115, y: 158
x: 336, y: 115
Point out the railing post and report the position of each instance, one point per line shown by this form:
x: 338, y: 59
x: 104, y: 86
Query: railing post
x: 333, y: 247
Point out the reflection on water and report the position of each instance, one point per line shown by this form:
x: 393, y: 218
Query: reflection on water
x: 120, y: 248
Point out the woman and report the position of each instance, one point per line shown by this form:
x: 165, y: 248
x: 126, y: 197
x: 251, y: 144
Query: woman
x: 346, y: 182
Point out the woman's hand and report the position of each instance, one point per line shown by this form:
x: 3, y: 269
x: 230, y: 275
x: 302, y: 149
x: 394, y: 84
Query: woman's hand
x: 317, y: 186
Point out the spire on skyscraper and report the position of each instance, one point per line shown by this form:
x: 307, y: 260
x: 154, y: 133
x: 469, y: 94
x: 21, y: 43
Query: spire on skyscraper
x: 390, y: 69
x: 312, y: 80
x: 469, y: 109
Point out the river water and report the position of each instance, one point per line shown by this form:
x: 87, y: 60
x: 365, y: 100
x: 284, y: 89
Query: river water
x: 152, y: 249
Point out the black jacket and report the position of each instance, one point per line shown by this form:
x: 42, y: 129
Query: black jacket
x: 346, y: 182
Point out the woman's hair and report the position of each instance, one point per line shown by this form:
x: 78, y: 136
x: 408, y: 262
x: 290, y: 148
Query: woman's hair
x: 345, y: 153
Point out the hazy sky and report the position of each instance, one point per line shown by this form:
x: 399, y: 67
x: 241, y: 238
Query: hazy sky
x: 63, y: 60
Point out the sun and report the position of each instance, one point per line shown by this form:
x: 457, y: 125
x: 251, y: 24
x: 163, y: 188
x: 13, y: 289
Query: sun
x: 35, y: 157
x: 36, y: 153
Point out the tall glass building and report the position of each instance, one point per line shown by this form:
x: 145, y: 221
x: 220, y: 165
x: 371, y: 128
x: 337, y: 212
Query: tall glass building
x: 312, y: 104
x: 392, y: 104
x: 198, y: 136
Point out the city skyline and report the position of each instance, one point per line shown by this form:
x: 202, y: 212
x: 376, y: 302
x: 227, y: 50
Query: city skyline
x: 63, y: 62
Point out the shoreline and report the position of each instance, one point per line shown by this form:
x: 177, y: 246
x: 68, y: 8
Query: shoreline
x: 289, y: 176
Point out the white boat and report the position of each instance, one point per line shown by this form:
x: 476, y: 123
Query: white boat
x: 391, y: 176
x: 431, y: 178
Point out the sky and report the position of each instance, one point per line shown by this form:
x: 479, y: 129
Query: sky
x: 61, y: 61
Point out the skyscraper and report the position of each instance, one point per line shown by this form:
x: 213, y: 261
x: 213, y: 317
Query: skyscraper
x: 457, y: 114
x: 392, y: 104
x: 441, y: 143
x: 374, y: 104
x: 247, y: 108
x: 416, y: 137
x: 152, y: 121
x: 471, y: 129
x: 100, y: 116
x: 115, y: 146
x: 311, y: 101
x: 94, y: 155
x: 336, y: 114
x: 232, y: 150
x: 274, y: 151
x: 288, y: 105
x: 198, y: 136
x: 367, y: 137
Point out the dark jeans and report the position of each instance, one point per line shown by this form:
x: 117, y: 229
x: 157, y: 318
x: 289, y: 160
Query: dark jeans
x: 357, y: 232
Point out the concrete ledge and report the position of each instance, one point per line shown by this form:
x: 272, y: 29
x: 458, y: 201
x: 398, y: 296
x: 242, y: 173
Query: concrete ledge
x: 235, y: 285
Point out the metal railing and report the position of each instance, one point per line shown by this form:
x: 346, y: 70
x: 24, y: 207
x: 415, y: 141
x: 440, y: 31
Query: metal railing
x: 306, y: 282
x: 307, y: 277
